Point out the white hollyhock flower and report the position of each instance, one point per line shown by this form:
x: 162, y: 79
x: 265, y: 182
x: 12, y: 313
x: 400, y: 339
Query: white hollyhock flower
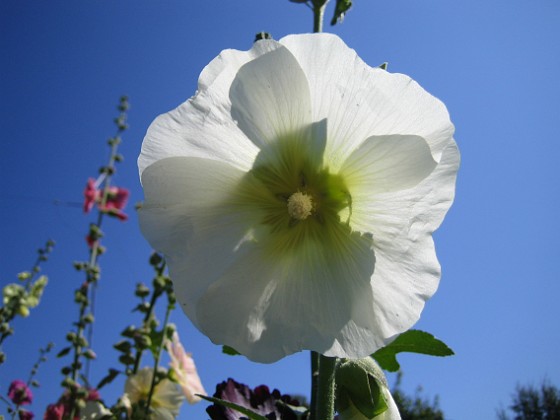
x: 295, y: 196
x: 166, y: 398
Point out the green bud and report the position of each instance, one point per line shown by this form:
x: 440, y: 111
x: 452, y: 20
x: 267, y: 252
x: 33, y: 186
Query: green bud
x: 23, y: 311
x: 68, y: 383
x: 123, y: 346
x: 142, y: 290
x: 90, y: 354
x: 126, y: 359
x: 129, y: 331
x: 88, y: 318
x: 24, y: 275
x: 155, y: 259
x: 360, y: 383
x: 159, y: 283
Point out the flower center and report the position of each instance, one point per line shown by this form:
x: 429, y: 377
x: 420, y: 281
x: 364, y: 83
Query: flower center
x: 300, y: 206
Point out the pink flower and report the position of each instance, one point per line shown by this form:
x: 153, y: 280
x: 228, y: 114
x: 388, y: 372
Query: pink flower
x: 185, y: 370
x: 25, y: 415
x: 19, y: 393
x: 54, y: 412
x: 91, y: 195
x: 115, y: 202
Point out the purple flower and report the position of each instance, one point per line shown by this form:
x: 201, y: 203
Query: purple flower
x: 19, y: 393
x: 259, y: 400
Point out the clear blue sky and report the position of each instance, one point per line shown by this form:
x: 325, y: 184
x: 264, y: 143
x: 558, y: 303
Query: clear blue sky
x: 494, y: 63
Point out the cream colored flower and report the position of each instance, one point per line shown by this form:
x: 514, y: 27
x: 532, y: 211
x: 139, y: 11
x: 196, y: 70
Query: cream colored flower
x: 295, y: 196
x: 166, y: 399
x: 185, y: 370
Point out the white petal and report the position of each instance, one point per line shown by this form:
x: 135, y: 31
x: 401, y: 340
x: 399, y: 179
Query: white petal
x: 270, y: 97
x: 185, y: 217
x: 407, y: 271
x: 275, y: 305
x: 203, y: 126
x: 359, y: 101
x: 387, y: 163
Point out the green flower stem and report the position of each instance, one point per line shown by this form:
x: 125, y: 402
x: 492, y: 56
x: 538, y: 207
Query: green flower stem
x: 156, y: 294
x: 318, y: 14
x: 324, y: 404
x: 110, y: 169
x: 170, y: 307
x: 314, y: 381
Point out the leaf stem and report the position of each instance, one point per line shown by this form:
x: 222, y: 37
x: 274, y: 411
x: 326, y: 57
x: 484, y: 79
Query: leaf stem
x: 318, y: 15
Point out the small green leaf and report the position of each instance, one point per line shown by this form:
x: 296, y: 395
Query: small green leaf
x: 250, y: 414
x: 64, y: 351
x: 412, y: 341
x: 113, y: 373
x: 230, y: 350
x: 342, y: 6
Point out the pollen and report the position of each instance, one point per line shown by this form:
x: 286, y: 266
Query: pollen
x: 300, y: 206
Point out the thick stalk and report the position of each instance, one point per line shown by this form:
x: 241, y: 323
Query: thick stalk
x: 324, y: 404
x: 314, y: 381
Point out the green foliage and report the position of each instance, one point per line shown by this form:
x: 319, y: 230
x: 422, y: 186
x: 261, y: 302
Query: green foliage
x: 230, y: 351
x: 412, y: 341
x: 18, y: 299
x: 250, y: 414
x: 531, y: 403
x: 416, y: 407
x: 342, y: 6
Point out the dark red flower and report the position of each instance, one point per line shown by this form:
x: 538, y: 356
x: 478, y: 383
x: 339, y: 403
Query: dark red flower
x: 25, y: 415
x: 259, y: 400
x: 19, y: 393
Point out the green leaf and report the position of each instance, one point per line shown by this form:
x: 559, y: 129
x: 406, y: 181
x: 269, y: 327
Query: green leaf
x: 113, y: 373
x: 250, y: 414
x: 64, y: 351
x: 412, y: 341
x: 230, y: 351
x: 342, y: 6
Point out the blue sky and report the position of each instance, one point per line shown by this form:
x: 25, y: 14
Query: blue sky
x: 495, y: 65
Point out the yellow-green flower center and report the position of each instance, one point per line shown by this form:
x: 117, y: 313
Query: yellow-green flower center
x: 296, y: 198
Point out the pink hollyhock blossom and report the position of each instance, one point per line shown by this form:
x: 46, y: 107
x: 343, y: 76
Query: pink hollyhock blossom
x: 20, y: 393
x: 185, y: 370
x: 116, y: 201
x: 91, y: 195
x: 54, y: 412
